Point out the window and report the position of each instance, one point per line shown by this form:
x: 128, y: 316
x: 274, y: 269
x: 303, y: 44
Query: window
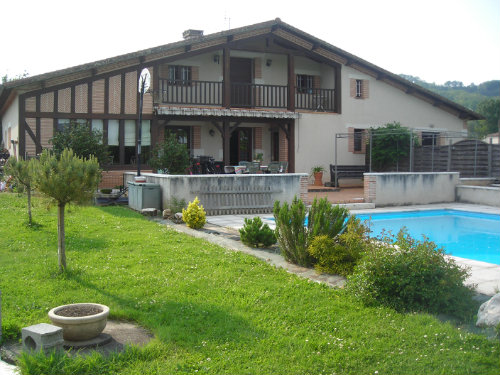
x: 130, y: 138
x: 179, y: 75
x: 358, y: 140
x: 113, y: 140
x: 429, y: 138
x: 183, y: 134
x: 305, y: 84
x: 359, y: 88
x: 98, y: 125
x: 145, y: 141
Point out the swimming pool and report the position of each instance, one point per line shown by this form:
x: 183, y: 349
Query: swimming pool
x: 463, y: 234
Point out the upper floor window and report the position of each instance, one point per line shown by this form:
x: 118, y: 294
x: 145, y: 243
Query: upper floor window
x: 359, y: 88
x: 305, y: 83
x: 179, y: 75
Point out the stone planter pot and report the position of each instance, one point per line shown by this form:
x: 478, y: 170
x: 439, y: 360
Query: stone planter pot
x: 80, y: 328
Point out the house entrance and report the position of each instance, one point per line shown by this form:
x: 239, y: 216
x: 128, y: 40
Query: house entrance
x: 240, y: 146
x: 241, y: 80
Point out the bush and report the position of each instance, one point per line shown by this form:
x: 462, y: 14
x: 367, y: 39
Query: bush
x: 194, y: 216
x: 170, y: 156
x: 291, y: 233
x: 411, y: 275
x: 326, y: 219
x: 294, y: 237
x: 255, y: 233
x: 340, y: 255
x: 84, y: 142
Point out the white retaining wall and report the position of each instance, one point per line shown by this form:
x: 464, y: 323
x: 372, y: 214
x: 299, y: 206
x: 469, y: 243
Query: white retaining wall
x: 489, y: 196
x: 399, y: 189
x: 230, y: 193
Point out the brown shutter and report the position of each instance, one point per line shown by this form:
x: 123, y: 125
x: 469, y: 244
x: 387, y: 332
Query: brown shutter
x: 196, y: 137
x: 257, y: 68
x: 350, y: 139
x: 365, y: 91
x: 195, y: 73
x: 316, y: 82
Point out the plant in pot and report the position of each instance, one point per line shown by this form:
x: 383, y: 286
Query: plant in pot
x: 317, y: 172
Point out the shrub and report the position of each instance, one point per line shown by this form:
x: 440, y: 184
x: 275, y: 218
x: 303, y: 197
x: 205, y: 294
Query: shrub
x: 84, y: 142
x: 411, y: 275
x: 255, y: 233
x: 326, y: 219
x: 291, y: 233
x: 176, y: 205
x: 340, y: 255
x: 294, y: 238
x: 170, y: 155
x: 194, y: 216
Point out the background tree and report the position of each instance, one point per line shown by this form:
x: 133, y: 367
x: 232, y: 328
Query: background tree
x: 84, y: 142
x: 390, y: 144
x: 66, y: 179
x: 21, y: 172
x: 171, y: 156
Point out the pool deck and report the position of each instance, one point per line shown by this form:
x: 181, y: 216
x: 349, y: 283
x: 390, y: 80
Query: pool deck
x: 485, y: 275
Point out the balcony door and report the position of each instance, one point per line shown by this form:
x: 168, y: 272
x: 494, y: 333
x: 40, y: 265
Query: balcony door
x: 240, y: 146
x: 241, y: 80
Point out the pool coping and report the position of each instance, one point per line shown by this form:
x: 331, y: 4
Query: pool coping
x: 484, y: 276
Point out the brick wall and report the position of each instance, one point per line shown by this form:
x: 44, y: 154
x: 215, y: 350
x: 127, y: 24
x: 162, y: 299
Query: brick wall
x: 370, y: 188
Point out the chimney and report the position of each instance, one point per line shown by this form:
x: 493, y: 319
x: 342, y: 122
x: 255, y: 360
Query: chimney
x: 192, y: 34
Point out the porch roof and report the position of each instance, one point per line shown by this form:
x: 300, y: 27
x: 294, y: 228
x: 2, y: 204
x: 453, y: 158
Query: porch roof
x: 224, y: 112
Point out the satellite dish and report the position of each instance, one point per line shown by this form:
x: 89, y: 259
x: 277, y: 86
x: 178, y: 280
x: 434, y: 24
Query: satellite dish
x: 144, y: 80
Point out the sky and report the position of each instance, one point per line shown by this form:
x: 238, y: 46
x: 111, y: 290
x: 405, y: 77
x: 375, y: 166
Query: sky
x: 435, y: 40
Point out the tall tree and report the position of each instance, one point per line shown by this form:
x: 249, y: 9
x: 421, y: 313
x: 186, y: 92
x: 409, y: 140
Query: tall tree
x: 66, y: 179
x: 82, y: 140
x: 21, y: 172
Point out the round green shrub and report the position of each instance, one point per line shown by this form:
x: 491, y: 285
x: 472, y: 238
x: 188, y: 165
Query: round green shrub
x: 410, y: 275
x: 340, y: 255
x: 255, y: 233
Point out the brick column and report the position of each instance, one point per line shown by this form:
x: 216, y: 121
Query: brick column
x: 370, y: 188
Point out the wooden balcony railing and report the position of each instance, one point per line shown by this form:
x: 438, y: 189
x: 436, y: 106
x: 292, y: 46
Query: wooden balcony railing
x: 257, y: 95
x: 316, y: 100
x: 246, y: 95
x: 191, y: 92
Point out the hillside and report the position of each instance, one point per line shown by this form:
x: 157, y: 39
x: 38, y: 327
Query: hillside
x: 468, y: 96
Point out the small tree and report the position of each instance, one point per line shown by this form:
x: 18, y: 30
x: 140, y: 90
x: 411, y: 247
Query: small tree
x: 21, y: 172
x: 82, y: 140
x: 390, y: 143
x: 66, y: 179
x: 170, y: 155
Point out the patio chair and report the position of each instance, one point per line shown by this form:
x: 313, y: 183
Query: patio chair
x: 283, y: 166
x: 245, y: 164
x: 274, y: 167
x: 253, y: 167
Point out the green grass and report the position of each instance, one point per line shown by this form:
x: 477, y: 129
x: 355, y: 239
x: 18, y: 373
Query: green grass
x: 212, y: 310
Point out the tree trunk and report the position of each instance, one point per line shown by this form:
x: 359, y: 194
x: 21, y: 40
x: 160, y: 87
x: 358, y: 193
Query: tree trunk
x: 29, y: 205
x: 61, y: 247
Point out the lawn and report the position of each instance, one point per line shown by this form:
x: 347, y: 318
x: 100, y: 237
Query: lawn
x: 212, y: 310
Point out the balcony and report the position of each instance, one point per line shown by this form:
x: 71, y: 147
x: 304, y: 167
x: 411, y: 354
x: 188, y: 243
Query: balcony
x: 244, y: 95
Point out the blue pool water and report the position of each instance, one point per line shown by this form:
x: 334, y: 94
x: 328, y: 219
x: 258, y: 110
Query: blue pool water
x: 463, y: 234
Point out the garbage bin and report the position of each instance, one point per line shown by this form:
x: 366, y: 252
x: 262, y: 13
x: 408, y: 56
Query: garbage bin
x: 144, y: 195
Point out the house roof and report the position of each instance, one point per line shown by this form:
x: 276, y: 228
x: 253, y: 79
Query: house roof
x: 276, y: 27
